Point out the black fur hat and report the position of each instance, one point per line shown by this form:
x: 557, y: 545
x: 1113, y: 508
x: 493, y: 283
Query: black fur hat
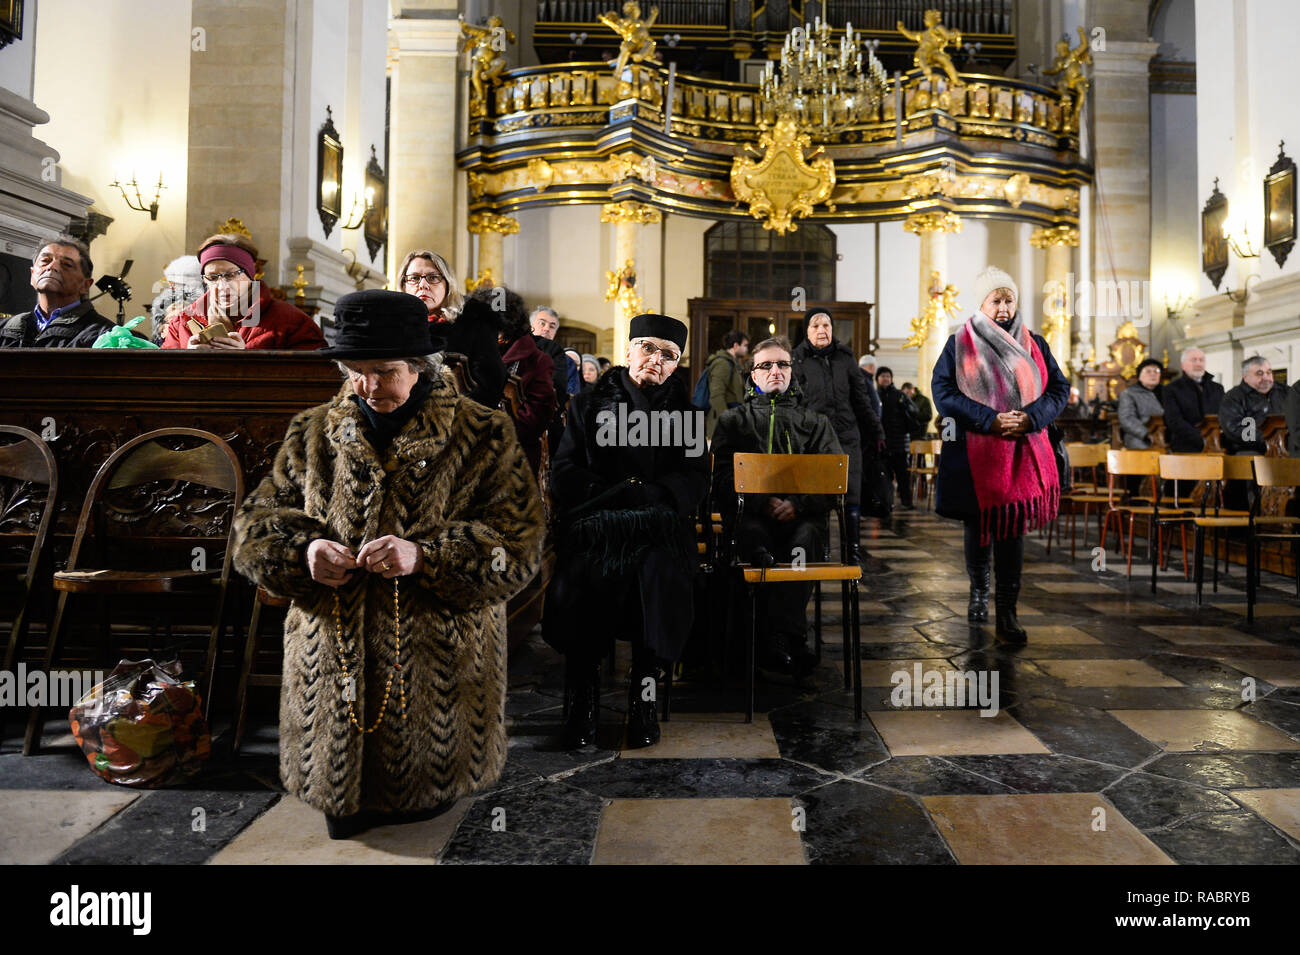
x: 377, y: 324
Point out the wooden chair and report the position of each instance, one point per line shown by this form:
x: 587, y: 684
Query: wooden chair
x: 247, y: 678
x: 139, y: 462
x: 1207, y: 470
x: 1087, y: 492
x: 1270, y: 472
x: 786, y: 474
x: 1236, y: 467
x: 924, y: 475
x: 27, y: 460
x: 1126, y: 463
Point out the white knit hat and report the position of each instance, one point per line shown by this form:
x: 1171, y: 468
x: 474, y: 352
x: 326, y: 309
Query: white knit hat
x: 991, y: 279
x: 184, y: 270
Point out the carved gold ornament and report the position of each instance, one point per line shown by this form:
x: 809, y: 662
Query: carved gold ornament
x: 480, y: 222
x: 630, y: 211
x: 1056, y: 314
x: 487, y: 46
x: 637, y: 45
x: 942, y: 304
x: 930, y: 55
x: 1015, y: 189
x: 482, y: 280
x: 1058, y: 235
x: 932, y: 222
x: 540, y: 174
x: 1128, y: 350
x: 1072, y: 81
x: 782, y: 185
x: 622, y: 289
x: 234, y: 226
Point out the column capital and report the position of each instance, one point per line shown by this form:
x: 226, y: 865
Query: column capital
x: 1125, y: 56
x: 428, y: 36
x: 630, y: 211
x: 481, y: 222
x: 1056, y: 235
x: 932, y: 222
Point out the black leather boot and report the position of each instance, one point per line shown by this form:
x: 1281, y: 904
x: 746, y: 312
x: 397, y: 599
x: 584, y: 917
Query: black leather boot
x: 582, y: 702
x: 1008, y: 558
x: 977, y: 569
x: 643, y: 714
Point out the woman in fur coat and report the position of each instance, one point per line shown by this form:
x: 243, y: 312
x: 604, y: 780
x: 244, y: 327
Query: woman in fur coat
x: 400, y: 518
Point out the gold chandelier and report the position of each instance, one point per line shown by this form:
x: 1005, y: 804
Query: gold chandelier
x: 822, y: 84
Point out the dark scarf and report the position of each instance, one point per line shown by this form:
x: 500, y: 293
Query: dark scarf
x: 385, y: 425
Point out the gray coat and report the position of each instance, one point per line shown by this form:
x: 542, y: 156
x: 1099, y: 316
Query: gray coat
x: 1137, y: 404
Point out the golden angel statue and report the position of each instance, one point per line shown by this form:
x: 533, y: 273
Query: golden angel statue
x: 637, y: 44
x: 930, y: 43
x: 488, y: 44
x: 1068, y: 68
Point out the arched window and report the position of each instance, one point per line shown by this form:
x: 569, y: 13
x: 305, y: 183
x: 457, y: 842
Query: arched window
x: 742, y: 260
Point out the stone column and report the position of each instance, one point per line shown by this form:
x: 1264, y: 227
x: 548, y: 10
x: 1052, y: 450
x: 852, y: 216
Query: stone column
x: 1120, y: 104
x: 422, y: 137
x: 491, y: 230
x: 1057, y: 290
x: 930, y: 331
x: 626, y: 216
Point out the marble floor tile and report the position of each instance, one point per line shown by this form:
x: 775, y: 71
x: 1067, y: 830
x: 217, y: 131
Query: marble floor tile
x: 552, y: 823
x: 699, y: 832
x: 1277, y: 672
x: 1069, y: 729
x: 866, y: 607
x: 1039, y: 829
x: 850, y: 823
x: 40, y: 824
x: 1041, y: 773
x: 1022, y: 609
x: 890, y: 633
x: 695, y: 778
x: 930, y: 776
x: 1095, y: 587
x: 1154, y: 802
x: 1123, y: 609
x: 1051, y: 636
x: 1261, y: 609
x: 1226, y: 838
x: 711, y: 736
x: 1281, y: 807
x: 1231, y: 770
x: 826, y: 736
x: 1037, y: 569
x: 1205, y: 636
x: 953, y: 733
x: 293, y: 833
x: 1199, y: 731
x: 881, y: 672
x: 1106, y: 673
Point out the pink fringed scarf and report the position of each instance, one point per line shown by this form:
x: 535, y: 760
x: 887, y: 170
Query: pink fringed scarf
x: 1016, y: 484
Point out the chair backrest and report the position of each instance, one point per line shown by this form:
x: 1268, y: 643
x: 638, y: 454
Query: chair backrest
x: 791, y: 473
x: 143, y: 460
x: 1277, y: 472
x: 1239, y: 467
x: 1086, y: 455
x: 926, y: 446
x: 1191, y: 467
x: 27, y: 459
x: 1145, y: 463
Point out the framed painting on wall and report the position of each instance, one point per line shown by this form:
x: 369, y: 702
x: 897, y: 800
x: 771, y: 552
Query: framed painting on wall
x: 1214, y: 240
x: 1279, y: 207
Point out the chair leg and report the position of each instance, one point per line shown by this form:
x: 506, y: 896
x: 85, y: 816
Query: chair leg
x: 211, y: 659
x: 1182, y: 529
x: 817, y: 618
x: 1153, y: 568
x: 857, y: 655
x: 1250, y: 580
x: 749, y: 653
x: 245, y: 668
x: 1132, y: 519
x: 35, y: 719
x: 668, y: 690
x: 1216, y: 558
x: 846, y: 636
x: 1199, y: 547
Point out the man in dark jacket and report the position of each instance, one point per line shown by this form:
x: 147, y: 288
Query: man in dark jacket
x: 1244, y: 408
x: 544, y: 323
x: 628, y: 480
x: 1188, y: 399
x: 726, y: 380
x: 772, y: 529
x: 62, y: 275
x: 924, y: 410
x: 832, y: 384
x: 899, y: 419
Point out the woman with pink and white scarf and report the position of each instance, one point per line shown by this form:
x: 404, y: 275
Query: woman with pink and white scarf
x: 1000, y: 385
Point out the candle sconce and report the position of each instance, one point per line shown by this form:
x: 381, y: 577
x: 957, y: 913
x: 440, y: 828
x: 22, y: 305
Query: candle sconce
x: 139, y: 204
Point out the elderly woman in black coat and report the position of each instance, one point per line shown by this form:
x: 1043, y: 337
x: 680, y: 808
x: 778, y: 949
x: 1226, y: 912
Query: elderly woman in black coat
x: 1001, y: 386
x: 627, y: 495
x: 833, y: 385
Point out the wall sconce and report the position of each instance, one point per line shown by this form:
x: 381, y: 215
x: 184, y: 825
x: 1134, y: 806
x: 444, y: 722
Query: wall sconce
x: 1240, y: 296
x: 357, y: 221
x: 329, y: 173
x: 139, y: 205
x: 1240, y: 243
x: 1176, y: 303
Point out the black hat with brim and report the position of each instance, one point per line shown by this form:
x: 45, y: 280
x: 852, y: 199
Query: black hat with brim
x: 377, y: 324
x: 651, y: 325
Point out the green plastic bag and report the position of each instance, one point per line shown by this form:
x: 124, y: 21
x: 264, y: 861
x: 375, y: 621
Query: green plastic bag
x: 121, y: 337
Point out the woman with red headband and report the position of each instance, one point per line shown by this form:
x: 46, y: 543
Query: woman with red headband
x: 250, y: 316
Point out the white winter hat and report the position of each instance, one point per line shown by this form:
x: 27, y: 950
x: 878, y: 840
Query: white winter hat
x: 184, y: 270
x: 991, y: 279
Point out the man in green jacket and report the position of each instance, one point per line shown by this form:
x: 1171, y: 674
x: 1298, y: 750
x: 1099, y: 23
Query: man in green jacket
x: 924, y: 410
x: 772, y: 529
x: 726, y: 380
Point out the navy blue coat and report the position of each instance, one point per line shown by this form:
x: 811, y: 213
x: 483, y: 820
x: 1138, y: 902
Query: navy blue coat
x: 954, y: 488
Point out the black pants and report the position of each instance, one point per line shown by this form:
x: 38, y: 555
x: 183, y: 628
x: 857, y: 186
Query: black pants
x: 896, y: 465
x: 782, y: 608
x: 1007, y: 557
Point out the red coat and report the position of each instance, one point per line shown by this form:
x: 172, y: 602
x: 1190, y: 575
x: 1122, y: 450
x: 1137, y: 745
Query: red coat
x: 537, y: 389
x: 271, y: 324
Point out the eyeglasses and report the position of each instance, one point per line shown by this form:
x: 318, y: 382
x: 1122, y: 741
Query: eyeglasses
x: 429, y: 278
x: 769, y: 365
x: 650, y: 348
x: 230, y: 278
